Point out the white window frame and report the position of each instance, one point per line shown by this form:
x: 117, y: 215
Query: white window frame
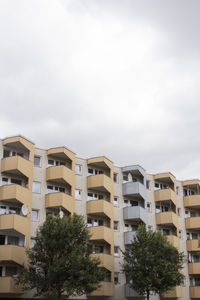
x: 36, y: 184
x: 32, y: 219
x: 78, y: 194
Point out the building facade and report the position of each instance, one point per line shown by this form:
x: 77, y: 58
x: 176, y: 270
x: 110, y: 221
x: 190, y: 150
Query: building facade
x: 114, y: 200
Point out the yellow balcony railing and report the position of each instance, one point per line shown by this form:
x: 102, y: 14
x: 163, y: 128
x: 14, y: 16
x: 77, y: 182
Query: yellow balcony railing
x: 100, y: 182
x: 166, y: 194
x: 17, y: 192
x: 193, y: 245
x: 194, y: 268
x: 174, y: 241
x: 56, y: 200
x: 15, y: 223
x: 107, y: 260
x: 17, y: 165
x: 102, y: 233
x: 99, y: 207
x: 60, y: 174
x: 167, y: 218
x: 192, y: 201
x: 176, y: 292
x: 195, y: 292
x: 192, y: 223
x: 8, y: 286
x: 13, y: 253
x: 106, y: 289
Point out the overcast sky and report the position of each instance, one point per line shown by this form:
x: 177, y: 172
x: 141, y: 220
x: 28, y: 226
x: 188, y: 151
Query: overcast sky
x: 104, y: 77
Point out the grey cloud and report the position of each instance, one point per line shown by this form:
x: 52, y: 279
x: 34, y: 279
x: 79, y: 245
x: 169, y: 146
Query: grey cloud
x: 119, y: 78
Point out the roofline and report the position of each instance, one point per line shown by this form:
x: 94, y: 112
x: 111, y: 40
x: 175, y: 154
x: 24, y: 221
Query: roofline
x: 18, y: 135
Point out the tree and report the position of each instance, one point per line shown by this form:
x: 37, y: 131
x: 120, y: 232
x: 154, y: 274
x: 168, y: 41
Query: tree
x: 151, y: 263
x: 60, y: 260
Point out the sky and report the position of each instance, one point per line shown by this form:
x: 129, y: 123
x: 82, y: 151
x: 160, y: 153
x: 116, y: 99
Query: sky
x: 118, y: 78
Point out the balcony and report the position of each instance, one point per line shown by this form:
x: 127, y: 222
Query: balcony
x: 129, y: 293
x: 101, y: 233
x: 192, y: 223
x: 167, y: 178
x: 176, y: 292
x: 15, y: 222
x: 17, y: 165
x: 192, y: 201
x: 191, y: 182
x: 100, y: 182
x: 57, y: 200
x: 13, y: 253
x: 60, y: 174
x: 106, y: 289
x: 166, y: 195
x: 15, y: 192
x: 128, y: 237
x: 63, y: 153
x: 167, y: 218
x: 136, y: 213
x: 102, y: 162
x: 21, y: 143
x: 100, y: 207
x: 107, y: 260
x: 8, y: 286
x: 194, y: 268
x: 135, y: 189
x: 195, y: 292
x: 193, y: 245
x: 174, y: 241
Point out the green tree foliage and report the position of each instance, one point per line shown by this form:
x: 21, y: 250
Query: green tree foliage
x: 151, y: 263
x: 60, y: 260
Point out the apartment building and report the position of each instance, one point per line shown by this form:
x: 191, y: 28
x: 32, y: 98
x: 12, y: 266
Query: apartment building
x: 114, y: 200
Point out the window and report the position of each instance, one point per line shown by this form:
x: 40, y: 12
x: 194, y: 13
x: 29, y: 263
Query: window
x: 4, y: 180
x: 148, y: 184
x: 50, y: 162
x: 32, y: 242
x: 2, y: 210
x: 11, y: 271
x: 116, y: 251
x: 148, y: 206
x: 90, y: 171
x: 36, y: 187
x: 78, y: 170
x: 116, y: 223
x: 89, y: 222
x: 158, y: 209
x: 115, y: 201
x: 133, y: 203
x: 37, y: 161
x: 6, y: 153
x: 34, y: 215
x: 177, y: 190
x: 78, y: 194
x: 16, y: 181
x: 116, y: 278
x: 125, y: 203
x: 115, y: 177
x: 125, y: 178
x: 2, y: 239
x: 14, y: 210
x: 13, y: 240
x: 180, y: 234
x: 179, y: 212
